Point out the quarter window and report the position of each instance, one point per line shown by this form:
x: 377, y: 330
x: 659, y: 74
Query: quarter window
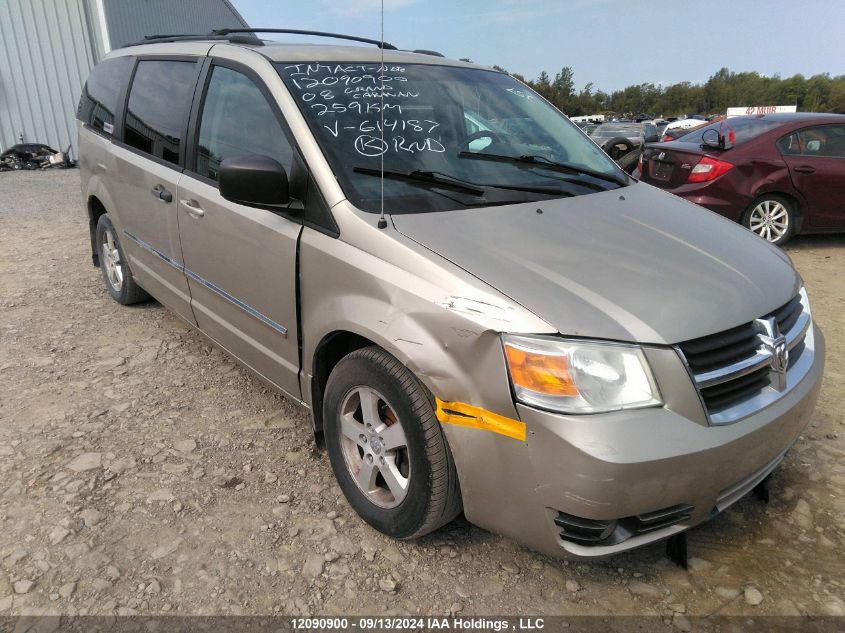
x: 98, y: 103
x: 158, y: 106
x: 237, y: 120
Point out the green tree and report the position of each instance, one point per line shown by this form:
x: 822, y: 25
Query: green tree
x: 819, y: 93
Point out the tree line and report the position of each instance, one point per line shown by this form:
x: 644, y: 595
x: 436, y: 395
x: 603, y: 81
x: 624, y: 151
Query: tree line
x: 724, y: 89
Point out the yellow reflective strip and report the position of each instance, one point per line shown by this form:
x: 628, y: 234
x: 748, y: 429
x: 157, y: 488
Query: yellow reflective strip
x: 474, y: 417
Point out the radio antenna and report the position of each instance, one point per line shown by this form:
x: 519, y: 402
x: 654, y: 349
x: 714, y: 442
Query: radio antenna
x: 382, y: 223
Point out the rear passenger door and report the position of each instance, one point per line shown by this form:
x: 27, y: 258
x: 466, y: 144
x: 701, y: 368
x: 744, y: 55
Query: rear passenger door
x: 241, y: 261
x: 148, y: 158
x: 816, y: 160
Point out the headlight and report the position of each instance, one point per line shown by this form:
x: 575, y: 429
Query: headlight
x: 579, y: 376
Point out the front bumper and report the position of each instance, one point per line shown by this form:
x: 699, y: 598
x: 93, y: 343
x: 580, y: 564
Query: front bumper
x: 625, y: 464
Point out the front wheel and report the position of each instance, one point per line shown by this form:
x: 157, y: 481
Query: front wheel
x: 386, y: 447
x: 771, y: 217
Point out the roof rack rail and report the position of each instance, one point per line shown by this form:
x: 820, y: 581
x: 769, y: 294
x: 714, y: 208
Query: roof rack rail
x: 353, y: 38
x: 194, y: 37
x: 423, y: 51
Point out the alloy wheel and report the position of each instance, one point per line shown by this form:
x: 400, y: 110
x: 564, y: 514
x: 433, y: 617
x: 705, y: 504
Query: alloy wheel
x: 374, y: 447
x: 111, y: 261
x: 769, y: 220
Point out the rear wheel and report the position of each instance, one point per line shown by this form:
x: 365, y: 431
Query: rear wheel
x: 772, y: 217
x: 115, y: 268
x: 386, y: 447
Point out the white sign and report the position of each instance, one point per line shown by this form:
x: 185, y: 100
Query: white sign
x: 766, y: 109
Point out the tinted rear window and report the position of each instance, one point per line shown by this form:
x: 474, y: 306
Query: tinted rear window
x: 158, y: 107
x: 745, y: 129
x: 98, y: 103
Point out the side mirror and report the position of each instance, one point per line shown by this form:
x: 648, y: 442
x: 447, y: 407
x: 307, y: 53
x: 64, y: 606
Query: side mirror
x: 714, y: 139
x: 254, y: 181
x: 711, y: 139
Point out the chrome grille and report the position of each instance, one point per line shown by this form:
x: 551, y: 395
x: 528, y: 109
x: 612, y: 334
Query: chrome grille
x: 734, y: 367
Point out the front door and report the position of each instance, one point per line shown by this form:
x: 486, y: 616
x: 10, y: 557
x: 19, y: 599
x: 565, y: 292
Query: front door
x: 147, y: 173
x: 816, y: 160
x: 240, y: 261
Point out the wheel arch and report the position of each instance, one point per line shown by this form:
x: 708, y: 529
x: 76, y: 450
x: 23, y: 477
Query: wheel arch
x: 96, y: 209
x: 328, y: 353
x: 97, y: 203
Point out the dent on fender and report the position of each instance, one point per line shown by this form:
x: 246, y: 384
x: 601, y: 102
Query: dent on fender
x: 467, y: 305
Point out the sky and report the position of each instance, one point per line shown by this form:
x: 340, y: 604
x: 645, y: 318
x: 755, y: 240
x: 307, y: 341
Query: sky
x: 611, y: 43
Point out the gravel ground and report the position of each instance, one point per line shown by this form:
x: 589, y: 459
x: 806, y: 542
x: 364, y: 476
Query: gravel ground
x: 144, y: 472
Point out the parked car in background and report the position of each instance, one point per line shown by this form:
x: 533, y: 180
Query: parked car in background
x: 637, y: 133
x: 624, y: 141
x: 777, y: 174
x: 588, y: 128
x: 679, y: 127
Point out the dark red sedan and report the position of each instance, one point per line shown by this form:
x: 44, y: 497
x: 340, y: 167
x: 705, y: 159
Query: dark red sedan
x: 777, y: 174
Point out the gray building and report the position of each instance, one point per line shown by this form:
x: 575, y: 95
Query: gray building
x: 48, y: 47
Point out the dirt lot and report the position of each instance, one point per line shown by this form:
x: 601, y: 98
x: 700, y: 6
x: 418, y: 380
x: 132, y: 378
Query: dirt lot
x: 143, y: 472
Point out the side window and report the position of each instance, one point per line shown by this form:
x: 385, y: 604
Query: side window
x: 158, y: 107
x: 98, y: 103
x: 237, y: 120
x: 789, y: 145
x: 825, y: 140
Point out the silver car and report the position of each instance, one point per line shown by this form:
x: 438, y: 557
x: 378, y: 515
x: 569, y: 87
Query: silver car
x: 637, y: 134
x: 513, y: 329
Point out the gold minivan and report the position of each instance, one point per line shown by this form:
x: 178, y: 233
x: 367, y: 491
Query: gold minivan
x: 480, y: 311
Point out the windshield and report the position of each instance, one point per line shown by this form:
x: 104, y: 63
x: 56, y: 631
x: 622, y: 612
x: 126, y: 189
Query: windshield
x: 744, y: 128
x: 442, y: 124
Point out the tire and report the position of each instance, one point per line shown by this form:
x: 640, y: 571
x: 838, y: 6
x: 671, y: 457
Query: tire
x: 771, y: 217
x: 628, y: 162
x: 373, y: 379
x: 115, y: 267
x: 618, y: 147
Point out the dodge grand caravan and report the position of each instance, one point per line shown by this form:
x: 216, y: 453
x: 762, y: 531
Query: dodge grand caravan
x: 480, y: 311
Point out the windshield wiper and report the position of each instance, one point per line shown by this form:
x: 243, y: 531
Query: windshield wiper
x: 422, y: 177
x: 439, y: 179
x: 541, y: 161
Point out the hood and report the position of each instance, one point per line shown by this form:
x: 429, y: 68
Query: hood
x: 632, y: 264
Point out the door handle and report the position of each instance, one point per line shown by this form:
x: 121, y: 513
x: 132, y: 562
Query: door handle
x: 162, y: 194
x: 804, y: 169
x: 193, y: 207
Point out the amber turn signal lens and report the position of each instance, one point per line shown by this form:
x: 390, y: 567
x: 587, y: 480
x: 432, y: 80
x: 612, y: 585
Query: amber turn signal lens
x: 540, y: 373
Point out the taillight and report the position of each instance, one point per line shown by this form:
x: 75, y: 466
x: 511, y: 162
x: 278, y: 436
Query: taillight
x: 641, y: 166
x: 667, y: 138
x: 709, y: 169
